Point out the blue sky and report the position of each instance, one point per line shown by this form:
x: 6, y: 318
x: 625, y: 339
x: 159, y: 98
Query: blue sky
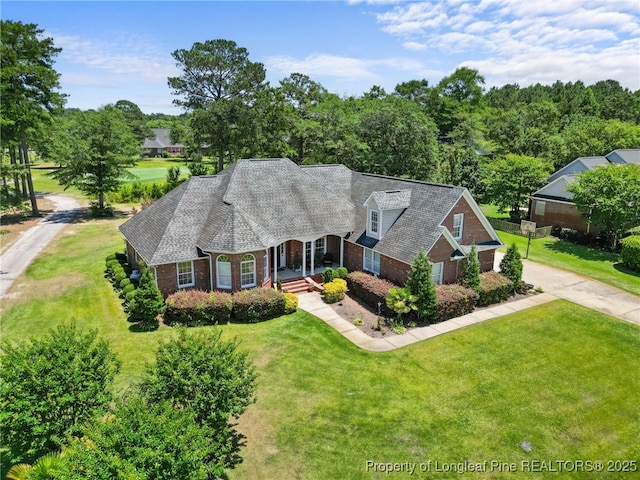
x: 122, y: 50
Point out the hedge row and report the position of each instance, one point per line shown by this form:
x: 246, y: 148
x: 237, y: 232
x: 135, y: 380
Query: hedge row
x: 371, y: 290
x: 630, y: 253
x: 454, y: 301
x: 197, y: 307
x: 117, y: 271
x: 494, y: 288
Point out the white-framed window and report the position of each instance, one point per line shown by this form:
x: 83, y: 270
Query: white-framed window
x: 265, y: 267
x: 371, y: 261
x: 185, y: 274
x: 458, y: 221
x: 319, y: 251
x: 374, y: 222
x: 248, y: 271
x: 540, y: 206
x: 223, y: 272
x: 437, y: 269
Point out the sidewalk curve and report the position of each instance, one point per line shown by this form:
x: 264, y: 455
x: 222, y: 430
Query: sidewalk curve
x: 556, y: 284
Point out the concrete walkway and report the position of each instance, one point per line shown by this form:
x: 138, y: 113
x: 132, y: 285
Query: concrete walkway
x: 556, y: 283
x: 16, y: 259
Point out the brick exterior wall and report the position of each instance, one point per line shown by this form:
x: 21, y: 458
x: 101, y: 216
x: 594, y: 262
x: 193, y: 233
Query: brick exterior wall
x: 167, y: 276
x: 394, y: 270
x: 353, y: 256
x: 441, y: 252
x: 565, y: 215
x: 236, y: 259
x: 472, y: 229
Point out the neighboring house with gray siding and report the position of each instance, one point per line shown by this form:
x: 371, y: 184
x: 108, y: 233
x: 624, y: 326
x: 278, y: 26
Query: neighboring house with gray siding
x: 263, y: 219
x: 553, y: 203
x: 160, y: 143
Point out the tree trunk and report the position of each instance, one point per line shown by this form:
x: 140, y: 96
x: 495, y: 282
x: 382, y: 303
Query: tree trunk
x: 220, y: 160
x: 14, y: 163
x: 23, y: 176
x: 32, y: 193
x: 101, y: 201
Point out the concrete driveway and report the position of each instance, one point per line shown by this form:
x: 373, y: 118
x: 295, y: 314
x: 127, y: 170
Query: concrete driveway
x: 581, y: 290
x: 16, y: 259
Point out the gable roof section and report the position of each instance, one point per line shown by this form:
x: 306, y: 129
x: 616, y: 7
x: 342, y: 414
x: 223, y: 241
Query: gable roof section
x: 161, y: 139
x: 419, y: 226
x: 578, y: 165
x: 625, y: 156
x: 391, y: 200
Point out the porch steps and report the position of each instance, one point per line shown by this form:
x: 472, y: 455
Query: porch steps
x: 296, y: 286
x: 303, y: 285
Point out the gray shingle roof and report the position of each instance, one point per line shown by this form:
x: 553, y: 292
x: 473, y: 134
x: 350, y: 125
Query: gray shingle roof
x: 625, y: 156
x: 161, y: 139
x: 394, y: 199
x: 259, y: 203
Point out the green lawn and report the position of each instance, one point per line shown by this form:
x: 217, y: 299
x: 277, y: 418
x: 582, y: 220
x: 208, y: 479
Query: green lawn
x: 560, y: 377
x: 600, y: 265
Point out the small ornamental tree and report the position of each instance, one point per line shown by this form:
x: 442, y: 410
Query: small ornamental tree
x: 420, y: 284
x: 50, y: 386
x: 211, y: 377
x: 140, y: 439
x: 147, y: 302
x: 511, y: 265
x: 471, y: 270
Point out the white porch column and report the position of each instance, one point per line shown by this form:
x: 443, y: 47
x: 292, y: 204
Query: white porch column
x: 341, y: 251
x: 304, y: 259
x: 275, y: 266
x: 313, y: 256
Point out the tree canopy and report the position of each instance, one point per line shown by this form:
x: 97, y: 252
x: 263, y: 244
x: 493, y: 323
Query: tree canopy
x: 94, y: 149
x: 609, y: 196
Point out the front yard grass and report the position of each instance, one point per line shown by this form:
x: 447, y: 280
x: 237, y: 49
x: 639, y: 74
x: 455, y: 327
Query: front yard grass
x: 600, y: 265
x: 560, y: 377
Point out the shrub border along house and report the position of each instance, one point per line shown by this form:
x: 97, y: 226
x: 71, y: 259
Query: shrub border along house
x: 630, y: 252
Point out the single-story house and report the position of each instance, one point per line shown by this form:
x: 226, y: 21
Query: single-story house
x: 161, y: 142
x: 553, y: 205
x: 263, y: 219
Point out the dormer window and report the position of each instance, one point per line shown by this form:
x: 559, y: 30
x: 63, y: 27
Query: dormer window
x: 374, y: 221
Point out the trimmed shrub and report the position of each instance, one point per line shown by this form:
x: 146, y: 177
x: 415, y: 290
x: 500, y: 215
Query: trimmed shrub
x: 630, y: 253
x: 334, y: 291
x: 119, y: 276
x: 341, y: 272
x: 258, y: 304
x: 494, y: 288
x: 420, y: 283
x: 290, y: 303
x: 128, y: 288
x: 328, y: 275
x: 147, y: 302
x: 371, y: 290
x: 471, y: 270
x: 511, y: 266
x: 124, y: 282
x: 129, y: 296
x: 197, y: 307
x: 111, y: 257
x: 454, y: 301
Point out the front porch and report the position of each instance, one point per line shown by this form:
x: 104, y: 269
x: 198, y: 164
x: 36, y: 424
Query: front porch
x: 300, y: 258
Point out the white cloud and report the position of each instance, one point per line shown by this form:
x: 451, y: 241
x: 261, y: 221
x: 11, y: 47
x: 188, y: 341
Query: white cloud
x: 512, y: 41
x: 131, y: 58
x: 415, y: 46
x: 321, y: 64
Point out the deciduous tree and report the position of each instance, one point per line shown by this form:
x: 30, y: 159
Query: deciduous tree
x: 509, y: 181
x: 609, y: 197
x: 94, y: 150
x: 50, y: 386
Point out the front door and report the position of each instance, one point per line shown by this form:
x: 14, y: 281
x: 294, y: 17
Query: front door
x: 282, y: 255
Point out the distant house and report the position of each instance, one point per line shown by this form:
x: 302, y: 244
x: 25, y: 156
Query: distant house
x: 154, y: 147
x: 263, y: 219
x: 552, y: 204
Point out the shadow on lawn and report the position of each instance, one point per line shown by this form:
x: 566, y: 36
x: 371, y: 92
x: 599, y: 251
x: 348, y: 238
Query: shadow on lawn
x: 582, y: 252
x: 622, y: 269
